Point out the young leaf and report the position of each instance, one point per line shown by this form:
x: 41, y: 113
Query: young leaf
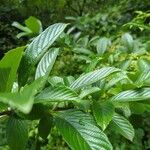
x: 45, y: 126
x: 92, y: 77
x: 132, y: 95
x: 37, y: 48
x: 80, y: 132
x: 103, y: 113
x: 22, y: 100
x: 123, y: 126
x: 45, y: 65
x: 34, y: 24
x: 56, y: 94
x: 17, y: 133
x: 8, y: 68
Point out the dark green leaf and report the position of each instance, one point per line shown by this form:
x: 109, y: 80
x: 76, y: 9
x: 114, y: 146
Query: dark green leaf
x: 17, y: 134
x: 45, y: 126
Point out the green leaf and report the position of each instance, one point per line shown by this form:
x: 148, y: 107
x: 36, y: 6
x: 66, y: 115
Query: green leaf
x: 125, y: 64
x: 17, y: 134
x: 102, y: 45
x: 21, y: 27
x: 3, y: 122
x: 88, y: 91
x: 22, y: 100
x: 56, y: 94
x: 45, y: 126
x: 83, y: 50
x: 80, y: 132
x: 132, y: 95
x: 143, y: 64
x: 103, y: 113
x: 92, y: 77
x: 42, y: 42
x: 128, y: 41
x: 143, y: 78
x: 45, y: 65
x: 123, y: 126
x: 55, y: 80
x: 34, y: 24
x: 8, y: 68
x: 37, y: 48
x: 117, y: 78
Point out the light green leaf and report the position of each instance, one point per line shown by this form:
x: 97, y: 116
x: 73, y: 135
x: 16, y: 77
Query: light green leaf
x: 92, y: 77
x: 56, y: 94
x: 37, y: 48
x: 143, y: 65
x: 132, y: 95
x: 21, y: 27
x: 123, y: 126
x: 80, y: 132
x: 55, y: 80
x: 22, y: 100
x: 45, y: 65
x: 128, y: 41
x: 143, y: 78
x: 88, y: 91
x: 34, y: 24
x: 8, y: 68
x: 103, y: 113
x: 117, y: 78
x: 17, y: 134
x: 125, y: 64
x: 83, y: 50
x: 102, y: 45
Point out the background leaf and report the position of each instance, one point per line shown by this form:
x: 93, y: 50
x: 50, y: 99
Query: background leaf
x: 102, y: 45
